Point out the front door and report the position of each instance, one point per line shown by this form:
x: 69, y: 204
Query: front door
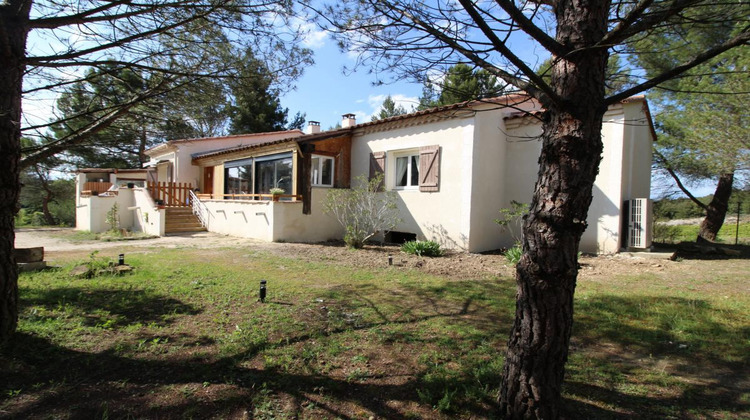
x: 208, y: 180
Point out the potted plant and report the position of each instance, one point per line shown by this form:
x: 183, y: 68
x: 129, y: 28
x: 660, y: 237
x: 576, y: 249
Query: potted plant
x: 276, y: 192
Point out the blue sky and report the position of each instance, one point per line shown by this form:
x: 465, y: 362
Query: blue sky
x: 325, y: 93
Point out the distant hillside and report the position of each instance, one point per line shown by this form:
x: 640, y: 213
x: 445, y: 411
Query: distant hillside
x: 684, y: 208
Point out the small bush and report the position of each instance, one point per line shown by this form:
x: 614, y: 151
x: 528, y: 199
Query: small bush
x: 363, y: 210
x: 422, y: 248
x: 665, y: 233
x: 113, y: 218
x: 513, y: 255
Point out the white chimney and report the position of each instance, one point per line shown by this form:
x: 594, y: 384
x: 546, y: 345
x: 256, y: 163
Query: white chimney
x: 348, y: 120
x: 313, y: 127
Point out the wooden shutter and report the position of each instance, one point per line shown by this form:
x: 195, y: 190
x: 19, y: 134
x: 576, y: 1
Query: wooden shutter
x: 377, y: 166
x: 429, y: 168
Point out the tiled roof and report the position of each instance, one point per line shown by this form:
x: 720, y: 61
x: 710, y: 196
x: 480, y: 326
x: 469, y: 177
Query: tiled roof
x: 251, y: 138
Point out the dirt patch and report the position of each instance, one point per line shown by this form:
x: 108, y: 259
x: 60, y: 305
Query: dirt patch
x: 61, y: 244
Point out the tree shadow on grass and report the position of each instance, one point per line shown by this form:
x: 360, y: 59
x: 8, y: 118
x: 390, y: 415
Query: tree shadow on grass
x: 57, y: 381
x: 93, y: 383
x: 106, y: 385
x: 708, y: 251
x: 123, y: 307
x: 646, y: 343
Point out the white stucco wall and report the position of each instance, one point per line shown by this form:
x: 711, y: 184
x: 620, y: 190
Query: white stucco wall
x: 638, y: 146
x: 134, y: 207
x: 443, y: 216
x: 291, y: 225
x: 273, y: 221
x: 246, y: 219
x: 624, y: 170
x: 91, y: 213
x: 489, y: 181
x: 604, y: 231
x: 147, y: 218
x: 521, y: 167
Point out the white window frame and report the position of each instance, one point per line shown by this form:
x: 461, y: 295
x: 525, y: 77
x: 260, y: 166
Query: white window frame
x: 409, y: 154
x: 319, y: 169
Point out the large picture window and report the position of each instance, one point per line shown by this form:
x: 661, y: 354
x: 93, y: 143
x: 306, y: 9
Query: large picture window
x: 407, y: 171
x: 273, y: 173
x: 322, y: 171
x: 259, y: 175
x: 238, y: 177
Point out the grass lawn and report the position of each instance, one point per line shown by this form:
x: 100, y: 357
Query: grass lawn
x: 184, y: 338
x: 687, y: 233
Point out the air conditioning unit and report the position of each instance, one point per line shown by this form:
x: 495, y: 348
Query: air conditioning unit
x: 639, y: 225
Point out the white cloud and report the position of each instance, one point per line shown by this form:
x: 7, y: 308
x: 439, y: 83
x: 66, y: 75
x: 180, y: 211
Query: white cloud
x: 312, y: 36
x: 376, y: 101
x: 314, y: 39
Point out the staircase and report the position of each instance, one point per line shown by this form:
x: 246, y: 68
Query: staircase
x: 182, y: 219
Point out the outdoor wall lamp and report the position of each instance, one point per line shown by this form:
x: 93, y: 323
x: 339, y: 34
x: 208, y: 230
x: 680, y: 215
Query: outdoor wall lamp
x: 262, y: 291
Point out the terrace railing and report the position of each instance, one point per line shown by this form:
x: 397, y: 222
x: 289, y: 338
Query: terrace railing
x: 256, y: 197
x: 170, y: 194
x: 96, y: 188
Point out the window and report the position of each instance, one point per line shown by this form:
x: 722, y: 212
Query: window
x: 259, y: 175
x: 238, y: 177
x: 322, y: 171
x: 407, y: 171
x: 273, y: 172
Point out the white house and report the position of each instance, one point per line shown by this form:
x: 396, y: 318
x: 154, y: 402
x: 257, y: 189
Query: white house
x: 452, y: 169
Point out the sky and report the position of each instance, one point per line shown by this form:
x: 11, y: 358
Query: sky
x: 324, y: 93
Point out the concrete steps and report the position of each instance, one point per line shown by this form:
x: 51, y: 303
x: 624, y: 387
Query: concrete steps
x: 182, y: 219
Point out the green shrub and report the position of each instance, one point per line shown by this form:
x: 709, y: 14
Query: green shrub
x: 511, y: 219
x: 113, y: 218
x: 363, y: 210
x: 23, y: 218
x: 513, y: 255
x: 665, y: 233
x: 422, y: 248
x: 37, y: 219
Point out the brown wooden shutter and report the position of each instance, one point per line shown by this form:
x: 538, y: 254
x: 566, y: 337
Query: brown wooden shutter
x: 377, y: 166
x: 429, y: 168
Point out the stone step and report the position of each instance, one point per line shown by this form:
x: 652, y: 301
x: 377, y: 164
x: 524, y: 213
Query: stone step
x: 182, y: 219
x: 184, y: 224
x: 184, y: 229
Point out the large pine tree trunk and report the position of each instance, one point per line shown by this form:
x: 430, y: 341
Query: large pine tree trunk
x: 13, y: 16
x: 717, y: 209
x: 546, y: 275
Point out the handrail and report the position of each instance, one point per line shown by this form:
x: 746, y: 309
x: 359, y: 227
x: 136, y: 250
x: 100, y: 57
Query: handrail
x: 200, y: 209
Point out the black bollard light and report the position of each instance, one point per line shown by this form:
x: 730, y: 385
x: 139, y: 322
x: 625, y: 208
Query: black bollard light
x: 121, y: 260
x: 390, y: 260
x: 262, y: 290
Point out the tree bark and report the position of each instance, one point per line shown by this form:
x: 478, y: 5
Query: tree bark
x: 13, y: 31
x: 716, y: 210
x: 546, y: 275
